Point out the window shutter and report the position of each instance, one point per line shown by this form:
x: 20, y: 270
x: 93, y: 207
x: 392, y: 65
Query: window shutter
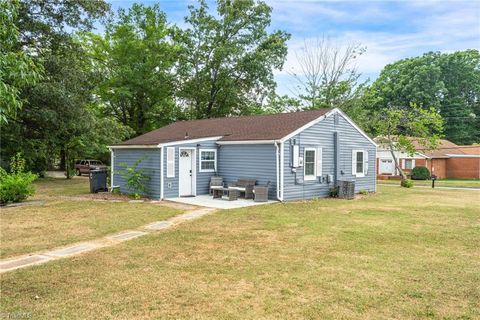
x: 354, y: 162
x: 170, y: 162
x: 365, y: 162
x: 319, y: 162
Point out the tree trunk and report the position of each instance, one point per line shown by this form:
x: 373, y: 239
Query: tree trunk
x: 68, y: 171
x: 397, y: 165
x: 62, y: 159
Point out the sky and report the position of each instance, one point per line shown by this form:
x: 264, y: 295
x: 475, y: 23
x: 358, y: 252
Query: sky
x: 389, y: 30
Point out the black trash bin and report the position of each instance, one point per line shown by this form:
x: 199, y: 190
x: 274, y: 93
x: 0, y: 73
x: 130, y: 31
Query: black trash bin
x: 98, y: 180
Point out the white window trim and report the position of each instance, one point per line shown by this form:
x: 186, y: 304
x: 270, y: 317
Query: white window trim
x: 319, y: 162
x: 200, y: 160
x: 314, y: 176
x: 171, y: 162
x: 354, y: 163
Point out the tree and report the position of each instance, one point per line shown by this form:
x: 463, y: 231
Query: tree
x: 17, y: 68
x: 134, y: 60
x: 328, y: 76
x: 227, y: 60
x: 277, y: 104
x: 448, y: 82
x: 397, y: 125
x: 57, y: 120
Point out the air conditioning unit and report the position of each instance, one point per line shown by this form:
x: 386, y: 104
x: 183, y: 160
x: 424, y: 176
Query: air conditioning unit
x: 346, y: 189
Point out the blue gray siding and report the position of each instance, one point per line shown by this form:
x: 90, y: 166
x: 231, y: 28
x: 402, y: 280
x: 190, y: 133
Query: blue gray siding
x: 151, y: 164
x: 256, y: 161
x: 203, y: 178
x: 321, y: 135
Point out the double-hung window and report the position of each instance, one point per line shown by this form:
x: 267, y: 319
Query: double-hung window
x: 208, y: 160
x: 310, y: 164
x: 408, y: 163
x: 359, y: 163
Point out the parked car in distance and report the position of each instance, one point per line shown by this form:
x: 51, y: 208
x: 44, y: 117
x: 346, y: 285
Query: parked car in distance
x: 84, y: 166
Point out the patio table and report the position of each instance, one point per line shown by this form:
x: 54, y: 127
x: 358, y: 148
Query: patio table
x: 219, y: 192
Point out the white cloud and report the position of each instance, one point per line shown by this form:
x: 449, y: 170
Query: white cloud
x: 445, y: 27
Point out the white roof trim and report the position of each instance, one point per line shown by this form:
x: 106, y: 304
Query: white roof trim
x: 247, y: 142
x: 323, y: 117
x: 174, y: 143
x: 134, y: 146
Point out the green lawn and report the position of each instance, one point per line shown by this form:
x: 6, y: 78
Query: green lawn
x: 399, y: 254
x: 60, y: 222
x: 461, y: 183
x: 53, y: 187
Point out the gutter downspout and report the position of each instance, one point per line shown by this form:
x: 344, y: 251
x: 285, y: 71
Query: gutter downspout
x: 282, y: 155
x: 278, y: 172
x: 161, y: 173
x: 336, y: 157
x: 112, y: 165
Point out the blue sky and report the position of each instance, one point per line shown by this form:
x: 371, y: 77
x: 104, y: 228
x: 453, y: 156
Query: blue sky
x: 390, y: 30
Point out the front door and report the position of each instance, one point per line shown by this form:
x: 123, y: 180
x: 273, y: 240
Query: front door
x: 386, y: 166
x: 186, y: 172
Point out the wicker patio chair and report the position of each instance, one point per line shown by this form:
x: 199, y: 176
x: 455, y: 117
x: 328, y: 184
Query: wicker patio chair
x: 215, y: 182
x: 261, y: 193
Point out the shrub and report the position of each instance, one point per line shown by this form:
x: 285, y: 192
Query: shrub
x: 16, y: 187
x: 420, y: 173
x: 334, y: 192
x: 363, y: 191
x: 135, y: 177
x: 407, y: 183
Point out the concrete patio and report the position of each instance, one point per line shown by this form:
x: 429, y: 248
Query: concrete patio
x: 206, y: 200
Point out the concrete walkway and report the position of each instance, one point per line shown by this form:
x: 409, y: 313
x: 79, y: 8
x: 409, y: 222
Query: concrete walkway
x: 206, y: 200
x: 107, y: 241
x: 429, y: 187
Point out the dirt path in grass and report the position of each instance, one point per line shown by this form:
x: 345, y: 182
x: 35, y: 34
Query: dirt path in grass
x: 75, y: 249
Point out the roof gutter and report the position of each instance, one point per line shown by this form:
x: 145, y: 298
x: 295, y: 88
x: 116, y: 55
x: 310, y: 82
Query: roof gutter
x: 134, y: 146
x: 247, y: 142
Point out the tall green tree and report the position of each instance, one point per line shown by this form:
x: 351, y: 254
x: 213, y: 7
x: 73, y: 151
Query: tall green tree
x: 227, y: 59
x: 450, y: 82
x: 134, y: 59
x: 17, y: 68
x: 57, y: 120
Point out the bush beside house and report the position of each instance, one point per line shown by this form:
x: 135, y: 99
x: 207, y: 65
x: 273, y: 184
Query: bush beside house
x: 17, y: 185
x: 420, y: 173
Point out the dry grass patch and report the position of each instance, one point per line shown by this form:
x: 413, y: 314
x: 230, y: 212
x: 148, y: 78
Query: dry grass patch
x: 400, y: 254
x: 57, y: 223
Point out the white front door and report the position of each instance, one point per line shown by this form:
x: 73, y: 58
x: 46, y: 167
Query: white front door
x: 386, y: 166
x: 186, y: 172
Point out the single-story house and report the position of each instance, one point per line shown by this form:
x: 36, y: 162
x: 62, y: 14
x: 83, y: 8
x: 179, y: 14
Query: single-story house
x: 301, y: 154
x: 448, y: 160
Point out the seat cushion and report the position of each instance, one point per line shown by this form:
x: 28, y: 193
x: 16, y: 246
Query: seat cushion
x: 237, y: 188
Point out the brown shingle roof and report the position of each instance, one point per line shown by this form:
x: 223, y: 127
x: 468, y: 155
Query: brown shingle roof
x: 446, y: 148
x: 260, y: 127
x: 472, y: 150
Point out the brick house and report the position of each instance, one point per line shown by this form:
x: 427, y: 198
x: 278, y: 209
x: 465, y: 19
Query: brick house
x: 447, y: 161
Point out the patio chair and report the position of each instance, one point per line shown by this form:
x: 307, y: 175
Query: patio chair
x: 261, y: 193
x: 244, y: 186
x: 215, y: 182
